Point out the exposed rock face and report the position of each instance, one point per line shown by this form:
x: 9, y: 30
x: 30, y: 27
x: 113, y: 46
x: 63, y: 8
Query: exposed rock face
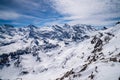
x: 59, y: 53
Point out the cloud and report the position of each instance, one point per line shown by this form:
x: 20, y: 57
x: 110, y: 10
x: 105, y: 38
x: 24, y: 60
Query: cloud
x: 27, y: 4
x: 45, y: 12
x: 11, y: 15
x: 6, y: 15
x: 95, y: 12
x: 26, y: 12
x: 51, y: 23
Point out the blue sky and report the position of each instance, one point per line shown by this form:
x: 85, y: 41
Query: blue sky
x: 51, y: 12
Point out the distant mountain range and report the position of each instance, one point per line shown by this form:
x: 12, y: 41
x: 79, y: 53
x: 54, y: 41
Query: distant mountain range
x: 78, y: 52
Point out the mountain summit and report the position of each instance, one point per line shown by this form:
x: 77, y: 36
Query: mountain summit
x: 78, y: 52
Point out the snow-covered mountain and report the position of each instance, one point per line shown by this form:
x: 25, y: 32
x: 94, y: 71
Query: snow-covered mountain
x: 77, y: 52
x: 12, y: 39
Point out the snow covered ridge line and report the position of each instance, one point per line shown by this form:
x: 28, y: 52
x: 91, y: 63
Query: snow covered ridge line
x: 101, y: 56
x: 12, y: 39
x: 66, y: 58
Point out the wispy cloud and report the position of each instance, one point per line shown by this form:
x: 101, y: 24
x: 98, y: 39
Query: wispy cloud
x: 28, y: 4
x: 96, y: 12
x: 6, y: 15
x: 26, y: 12
x: 11, y: 15
x: 48, y: 12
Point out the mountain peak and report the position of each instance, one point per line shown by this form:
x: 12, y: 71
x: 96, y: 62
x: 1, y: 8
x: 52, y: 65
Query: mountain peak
x: 31, y: 26
x: 7, y: 26
x: 73, y: 51
x: 118, y: 22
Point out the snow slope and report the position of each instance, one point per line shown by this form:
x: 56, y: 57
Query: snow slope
x: 63, y: 58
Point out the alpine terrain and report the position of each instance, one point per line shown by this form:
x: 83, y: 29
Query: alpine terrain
x: 78, y: 52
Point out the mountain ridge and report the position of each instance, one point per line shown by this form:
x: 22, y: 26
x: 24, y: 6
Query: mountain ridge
x: 60, y: 57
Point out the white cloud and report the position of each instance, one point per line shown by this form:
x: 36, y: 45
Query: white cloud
x: 8, y: 15
x: 95, y: 12
x: 29, y: 4
x: 51, y: 23
x: 11, y: 15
